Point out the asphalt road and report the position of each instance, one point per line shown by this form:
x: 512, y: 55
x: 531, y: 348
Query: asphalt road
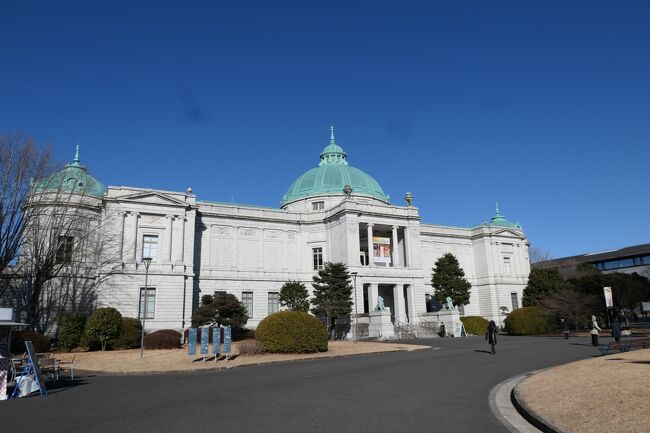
x: 445, y: 389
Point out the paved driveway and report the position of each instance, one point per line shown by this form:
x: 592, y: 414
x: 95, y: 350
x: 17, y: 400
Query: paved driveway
x: 445, y: 389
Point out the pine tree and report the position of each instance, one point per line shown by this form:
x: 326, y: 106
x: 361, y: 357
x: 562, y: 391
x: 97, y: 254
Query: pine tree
x: 332, y: 293
x: 293, y: 295
x: 448, y: 280
x: 542, y: 283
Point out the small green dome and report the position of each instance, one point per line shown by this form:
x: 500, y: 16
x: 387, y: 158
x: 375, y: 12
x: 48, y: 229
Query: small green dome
x: 331, y: 176
x: 501, y: 221
x: 73, y: 178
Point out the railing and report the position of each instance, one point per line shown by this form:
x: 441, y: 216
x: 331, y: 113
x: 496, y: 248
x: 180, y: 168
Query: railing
x: 404, y: 329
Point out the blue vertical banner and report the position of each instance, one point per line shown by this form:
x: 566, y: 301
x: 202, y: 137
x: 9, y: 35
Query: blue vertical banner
x: 227, y: 339
x: 205, y: 340
x: 216, y: 340
x: 191, y: 343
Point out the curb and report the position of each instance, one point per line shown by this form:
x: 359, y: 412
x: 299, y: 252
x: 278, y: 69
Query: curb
x: 527, y: 412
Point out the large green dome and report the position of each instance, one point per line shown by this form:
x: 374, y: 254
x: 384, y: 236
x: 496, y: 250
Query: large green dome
x: 331, y: 176
x: 73, y: 178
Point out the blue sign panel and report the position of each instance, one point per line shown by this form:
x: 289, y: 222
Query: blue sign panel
x: 205, y: 340
x: 191, y: 342
x: 216, y: 340
x: 227, y: 339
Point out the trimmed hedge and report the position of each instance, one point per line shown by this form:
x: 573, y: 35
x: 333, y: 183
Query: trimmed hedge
x: 292, y: 332
x: 41, y: 342
x: 130, y: 336
x: 71, y: 328
x: 476, y: 325
x: 163, y: 339
x: 529, y: 321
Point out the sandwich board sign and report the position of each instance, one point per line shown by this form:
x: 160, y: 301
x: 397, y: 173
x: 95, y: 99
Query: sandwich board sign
x: 30, y: 378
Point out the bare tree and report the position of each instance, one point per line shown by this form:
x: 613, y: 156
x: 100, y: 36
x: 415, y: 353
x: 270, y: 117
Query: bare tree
x: 571, y: 304
x: 537, y: 254
x: 21, y: 160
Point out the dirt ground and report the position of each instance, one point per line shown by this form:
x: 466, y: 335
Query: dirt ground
x: 158, y: 361
x: 607, y: 393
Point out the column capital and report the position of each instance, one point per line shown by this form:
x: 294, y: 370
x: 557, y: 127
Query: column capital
x: 169, y: 216
x: 370, y: 224
x: 394, y: 227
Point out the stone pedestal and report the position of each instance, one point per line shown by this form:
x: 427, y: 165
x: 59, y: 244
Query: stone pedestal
x: 380, y: 325
x: 450, y: 318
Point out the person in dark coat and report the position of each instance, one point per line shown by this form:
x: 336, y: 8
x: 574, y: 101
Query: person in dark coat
x: 616, y: 329
x: 565, y: 329
x: 491, y: 335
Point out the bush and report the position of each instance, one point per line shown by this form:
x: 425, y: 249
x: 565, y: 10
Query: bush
x: 41, y: 342
x: 250, y: 347
x: 130, y: 336
x: 476, y: 325
x: 528, y: 321
x: 163, y: 339
x: 292, y: 332
x: 104, y: 324
x: 89, y: 344
x: 71, y: 328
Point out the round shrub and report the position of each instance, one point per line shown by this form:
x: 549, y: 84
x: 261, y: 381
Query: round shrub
x: 476, y: 325
x: 130, y: 336
x: 163, y: 339
x: 41, y: 342
x: 71, y: 328
x: 528, y: 321
x: 292, y: 332
x: 104, y: 324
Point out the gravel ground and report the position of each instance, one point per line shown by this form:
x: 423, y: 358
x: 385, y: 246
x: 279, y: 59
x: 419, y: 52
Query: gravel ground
x: 606, y: 393
x: 156, y: 361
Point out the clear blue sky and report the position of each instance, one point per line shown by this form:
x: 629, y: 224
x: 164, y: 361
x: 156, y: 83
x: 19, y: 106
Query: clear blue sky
x: 541, y: 106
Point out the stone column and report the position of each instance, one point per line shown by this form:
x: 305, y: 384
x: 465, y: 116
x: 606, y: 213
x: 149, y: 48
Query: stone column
x: 398, y: 302
x: 182, y: 255
x: 170, y: 231
x: 371, y: 261
x: 395, y: 248
x: 407, y: 246
x: 122, y: 217
x: 373, y: 293
x: 136, y: 217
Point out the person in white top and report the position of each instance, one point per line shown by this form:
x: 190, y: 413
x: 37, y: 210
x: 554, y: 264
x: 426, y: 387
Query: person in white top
x: 593, y: 325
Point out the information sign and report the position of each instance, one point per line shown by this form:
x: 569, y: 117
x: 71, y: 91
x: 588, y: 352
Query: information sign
x: 227, y: 339
x: 191, y: 343
x: 216, y: 340
x: 205, y: 340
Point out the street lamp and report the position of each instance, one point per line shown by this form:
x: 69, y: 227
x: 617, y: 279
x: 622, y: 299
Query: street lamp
x: 356, y: 314
x: 147, y: 262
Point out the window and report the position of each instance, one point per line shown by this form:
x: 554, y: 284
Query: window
x: 514, y: 300
x: 623, y: 263
x: 147, y: 309
x: 150, y: 246
x: 318, y: 258
x: 274, y: 302
x: 64, y: 249
x: 218, y: 293
x: 506, y: 265
x: 610, y: 264
x: 646, y: 260
x: 247, y: 300
x: 317, y: 205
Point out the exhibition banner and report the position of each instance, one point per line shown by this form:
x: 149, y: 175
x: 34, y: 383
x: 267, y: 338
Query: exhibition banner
x: 609, y: 301
x: 381, y: 249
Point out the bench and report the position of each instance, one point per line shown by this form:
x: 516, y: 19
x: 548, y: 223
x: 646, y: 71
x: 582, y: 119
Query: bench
x: 626, y: 346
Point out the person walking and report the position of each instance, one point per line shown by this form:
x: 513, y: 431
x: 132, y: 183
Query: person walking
x: 616, y: 329
x: 593, y: 325
x: 565, y: 328
x: 491, y: 335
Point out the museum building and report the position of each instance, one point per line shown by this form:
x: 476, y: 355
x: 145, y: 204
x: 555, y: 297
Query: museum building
x: 333, y: 212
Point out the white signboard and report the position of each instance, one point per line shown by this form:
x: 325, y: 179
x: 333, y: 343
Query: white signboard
x: 609, y: 301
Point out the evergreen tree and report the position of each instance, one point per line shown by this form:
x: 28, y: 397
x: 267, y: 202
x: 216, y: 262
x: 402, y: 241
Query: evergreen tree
x: 332, y: 293
x: 448, y: 280
x: 293, y: 295
x: 542, y: 283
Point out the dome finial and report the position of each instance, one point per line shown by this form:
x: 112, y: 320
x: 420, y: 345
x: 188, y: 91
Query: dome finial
x: 76, y: 155
x: 497, y: 206
x: 332, y: 141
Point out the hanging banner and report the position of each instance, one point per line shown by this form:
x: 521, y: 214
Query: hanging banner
x: 191, y: 343
x: 609, y: 301
x: 205, y: 340
x: 216, y: 340
x: 381, y: 249
x: 227, y: 339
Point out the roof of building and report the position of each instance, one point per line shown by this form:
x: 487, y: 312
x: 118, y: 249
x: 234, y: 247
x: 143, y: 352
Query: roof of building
x: 501, y: 221
x: 73, y: 178
x: 598, y: 256
x: 331, y: 176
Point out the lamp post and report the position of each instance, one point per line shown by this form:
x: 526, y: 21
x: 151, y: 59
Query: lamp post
x: 356, y: 314
x: 143, y: 297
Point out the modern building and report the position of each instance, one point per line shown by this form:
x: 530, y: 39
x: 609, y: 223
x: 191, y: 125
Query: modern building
x: 333, y: 212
